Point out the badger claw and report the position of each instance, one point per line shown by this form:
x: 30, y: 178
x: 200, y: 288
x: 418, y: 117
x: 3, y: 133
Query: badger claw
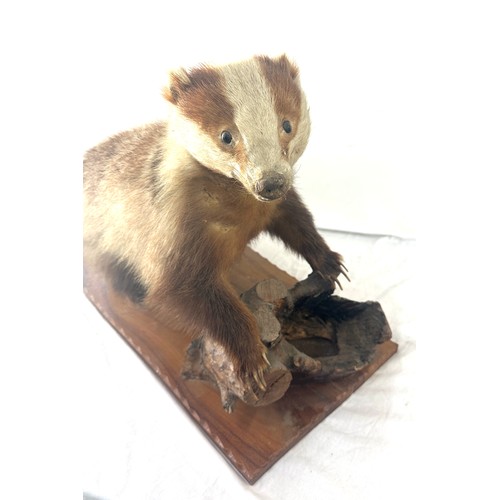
x: 258, y: 376
x: 264, y: 355
x: 344, y: 272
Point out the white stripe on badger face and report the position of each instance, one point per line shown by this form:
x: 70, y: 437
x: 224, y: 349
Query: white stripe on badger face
x: 255, y: 116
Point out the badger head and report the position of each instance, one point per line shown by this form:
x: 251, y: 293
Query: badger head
x: 248, y: 121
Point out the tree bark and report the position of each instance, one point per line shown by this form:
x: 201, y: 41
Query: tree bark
x: 310, y: 335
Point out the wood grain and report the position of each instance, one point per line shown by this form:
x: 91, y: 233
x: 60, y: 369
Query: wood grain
x: 252, y: 439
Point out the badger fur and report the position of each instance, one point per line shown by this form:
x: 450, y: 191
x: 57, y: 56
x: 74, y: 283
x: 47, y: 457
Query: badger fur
x: 169, y: 207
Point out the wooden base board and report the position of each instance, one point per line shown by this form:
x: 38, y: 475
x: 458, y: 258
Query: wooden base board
x: 252, y: 439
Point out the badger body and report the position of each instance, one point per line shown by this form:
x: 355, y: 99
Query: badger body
x: 169, y: 207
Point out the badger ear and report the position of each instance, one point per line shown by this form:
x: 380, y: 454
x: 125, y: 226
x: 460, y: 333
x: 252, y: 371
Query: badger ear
x: 179, y: 81
x: 274, y: 66
x: 288, y: 66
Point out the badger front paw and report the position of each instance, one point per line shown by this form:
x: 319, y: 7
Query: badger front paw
x: 251, y: 363
x: 331, y: 267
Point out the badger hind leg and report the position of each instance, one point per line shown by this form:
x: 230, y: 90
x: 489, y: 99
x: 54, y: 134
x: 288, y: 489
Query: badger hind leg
x: 125, y: 279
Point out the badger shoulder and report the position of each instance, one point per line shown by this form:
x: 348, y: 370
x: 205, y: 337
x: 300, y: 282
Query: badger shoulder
x: 119, y: 181
x: 123, y: 157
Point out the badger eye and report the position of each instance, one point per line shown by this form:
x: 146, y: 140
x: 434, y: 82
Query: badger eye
x: 226, y: 137
x: 287, y: 126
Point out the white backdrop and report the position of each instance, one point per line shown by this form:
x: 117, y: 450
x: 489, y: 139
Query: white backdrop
x: 357, y: 64
x: 404, y: 103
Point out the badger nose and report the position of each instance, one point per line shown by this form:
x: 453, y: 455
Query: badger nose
x: 271, y: 188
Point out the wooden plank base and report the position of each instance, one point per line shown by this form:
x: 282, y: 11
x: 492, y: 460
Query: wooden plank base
x: 252, y: 439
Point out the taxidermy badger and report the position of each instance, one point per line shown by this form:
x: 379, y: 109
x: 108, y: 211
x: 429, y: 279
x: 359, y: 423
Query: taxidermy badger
x: 170, y: 206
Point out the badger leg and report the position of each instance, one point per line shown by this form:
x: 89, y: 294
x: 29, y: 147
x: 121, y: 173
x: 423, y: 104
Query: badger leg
x: 293, y: 223
x: 210, y: 307
x: 123, y: 277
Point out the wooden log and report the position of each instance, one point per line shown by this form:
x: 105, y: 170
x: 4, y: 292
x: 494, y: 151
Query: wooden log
x: 309, y: 334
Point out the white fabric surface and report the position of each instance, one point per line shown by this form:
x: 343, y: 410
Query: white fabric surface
x: 363, y: 85
x: 139, y: 443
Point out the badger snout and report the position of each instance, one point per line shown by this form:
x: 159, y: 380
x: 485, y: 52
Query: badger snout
x: 272, y: 187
